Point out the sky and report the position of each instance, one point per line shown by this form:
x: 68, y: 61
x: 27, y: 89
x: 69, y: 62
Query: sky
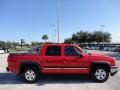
x: 30, y: 19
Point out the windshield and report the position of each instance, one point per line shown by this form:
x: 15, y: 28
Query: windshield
x: 83, y: 50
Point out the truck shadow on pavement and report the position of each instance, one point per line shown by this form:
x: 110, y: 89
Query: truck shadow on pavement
x: 9, y: 78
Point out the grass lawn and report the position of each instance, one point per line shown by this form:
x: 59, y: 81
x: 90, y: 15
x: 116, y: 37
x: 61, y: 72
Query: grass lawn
x: 19, y: 50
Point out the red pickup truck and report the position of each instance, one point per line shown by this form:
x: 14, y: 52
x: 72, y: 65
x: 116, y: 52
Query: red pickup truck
x: 61, y: 59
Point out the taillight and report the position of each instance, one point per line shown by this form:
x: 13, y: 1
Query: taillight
x: 11, y: 59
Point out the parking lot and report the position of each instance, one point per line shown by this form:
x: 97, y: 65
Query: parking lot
x: 9, y: 81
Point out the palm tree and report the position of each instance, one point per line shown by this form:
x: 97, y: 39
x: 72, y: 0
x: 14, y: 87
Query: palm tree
x: 44, y: 37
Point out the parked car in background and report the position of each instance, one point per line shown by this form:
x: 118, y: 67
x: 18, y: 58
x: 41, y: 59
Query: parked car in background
x: 115, y: 49
x: 86, y: 47
x: 6, y: 50
x: 100, y: 47
x: 112, y: 48
x: 2, y: 51
x: 108, y: 48
x: 94, y: 48
x: 105, y: 48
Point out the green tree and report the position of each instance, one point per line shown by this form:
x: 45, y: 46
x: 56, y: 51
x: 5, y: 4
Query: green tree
x: 14, y: 44
x: 8, y: 44
x: 80, y: 37
x: 75, y: 37
x: 101, y: 37
x: 107, y: 37
x: 34, y: 43
x: 68, y: 40
x: 27, y: 45
x: 85, y: 37
x: 98, y: 36
x: 2, y: 44
x: 89, y: 37
x: 44, y: 37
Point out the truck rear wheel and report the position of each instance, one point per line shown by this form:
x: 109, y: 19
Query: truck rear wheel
x: 100, y: 74
x: 30, y: 75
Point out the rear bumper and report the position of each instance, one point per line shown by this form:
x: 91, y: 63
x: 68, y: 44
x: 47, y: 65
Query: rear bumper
x: 7, y: 69
x: 113, y: 70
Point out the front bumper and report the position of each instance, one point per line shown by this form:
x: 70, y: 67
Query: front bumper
x: 113, y: 70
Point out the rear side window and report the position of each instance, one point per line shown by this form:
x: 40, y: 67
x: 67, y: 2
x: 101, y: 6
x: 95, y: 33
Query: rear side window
x: 53, y: 51
x: 71, y: 51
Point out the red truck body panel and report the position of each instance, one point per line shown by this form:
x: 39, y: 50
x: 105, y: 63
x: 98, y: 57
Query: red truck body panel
x: 58, y: 64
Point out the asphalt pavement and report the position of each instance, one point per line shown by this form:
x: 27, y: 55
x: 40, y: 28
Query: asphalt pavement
x: 9, y: 81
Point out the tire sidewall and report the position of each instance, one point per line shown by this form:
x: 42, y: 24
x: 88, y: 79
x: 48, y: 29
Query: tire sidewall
x: 94, y: 77
x: 36, y: 75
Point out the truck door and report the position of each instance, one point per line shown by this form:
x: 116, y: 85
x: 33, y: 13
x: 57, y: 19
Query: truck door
x: 54, y: 60
x: 74, y: 62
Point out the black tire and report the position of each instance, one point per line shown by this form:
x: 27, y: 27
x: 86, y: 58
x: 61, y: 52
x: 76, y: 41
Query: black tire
x: 105, y: 74
x: 34, y: 75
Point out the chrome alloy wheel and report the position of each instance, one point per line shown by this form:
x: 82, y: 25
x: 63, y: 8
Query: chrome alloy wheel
x: 100, y: 74
x: 30, y: 75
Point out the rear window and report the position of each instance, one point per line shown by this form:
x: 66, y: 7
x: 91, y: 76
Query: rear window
x: 53, y: 51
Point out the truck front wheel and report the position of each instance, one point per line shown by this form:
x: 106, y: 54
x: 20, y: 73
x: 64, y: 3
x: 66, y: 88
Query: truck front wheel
x: 99, y: 74
x: 30, y: 75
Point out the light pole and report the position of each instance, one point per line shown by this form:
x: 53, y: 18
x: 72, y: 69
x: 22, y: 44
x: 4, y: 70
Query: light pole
x: 102, y: 27
x: 54, y: 34
x: 58, y: 16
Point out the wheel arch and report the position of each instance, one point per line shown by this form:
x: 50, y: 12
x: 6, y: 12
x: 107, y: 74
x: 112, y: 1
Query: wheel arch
x: 24, y: 65
x: 99, y: 64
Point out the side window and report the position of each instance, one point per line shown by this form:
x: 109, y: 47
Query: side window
x: 71, y: 51
x: 53, y: 51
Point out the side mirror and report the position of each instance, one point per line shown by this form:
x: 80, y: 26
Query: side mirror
x: 83, y: 54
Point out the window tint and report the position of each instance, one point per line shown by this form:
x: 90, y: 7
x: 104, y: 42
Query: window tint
x: 53, y: 51
x: 71, y: 51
